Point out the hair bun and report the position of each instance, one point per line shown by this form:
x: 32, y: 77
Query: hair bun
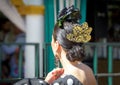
x: 75, y: 54
x: 70, y: 14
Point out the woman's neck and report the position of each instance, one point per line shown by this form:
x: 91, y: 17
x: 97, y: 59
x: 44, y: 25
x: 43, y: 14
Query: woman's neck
x: 67, y: 65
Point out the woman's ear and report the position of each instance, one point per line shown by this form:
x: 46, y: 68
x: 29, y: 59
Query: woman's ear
x: 57, y: 47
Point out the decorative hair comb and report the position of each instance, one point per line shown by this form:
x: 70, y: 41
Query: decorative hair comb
x: 80, y: 33
x: 70, y: 14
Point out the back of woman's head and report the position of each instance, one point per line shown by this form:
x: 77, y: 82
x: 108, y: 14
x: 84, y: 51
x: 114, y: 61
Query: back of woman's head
x: 70, y: 34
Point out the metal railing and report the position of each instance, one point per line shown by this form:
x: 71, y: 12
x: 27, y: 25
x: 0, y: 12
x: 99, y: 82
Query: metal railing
x: 110, y: 58
x: 47, y: 48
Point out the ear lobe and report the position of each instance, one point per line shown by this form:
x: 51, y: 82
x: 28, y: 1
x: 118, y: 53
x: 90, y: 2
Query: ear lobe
x: 57, y: 45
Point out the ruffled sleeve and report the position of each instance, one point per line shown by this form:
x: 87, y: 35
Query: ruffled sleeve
x: 63, y: 80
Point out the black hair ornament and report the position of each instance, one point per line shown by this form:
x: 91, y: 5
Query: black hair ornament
x: 70, y: 14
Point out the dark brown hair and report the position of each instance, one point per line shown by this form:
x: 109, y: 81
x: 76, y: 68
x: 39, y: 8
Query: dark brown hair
x: 67, y: 18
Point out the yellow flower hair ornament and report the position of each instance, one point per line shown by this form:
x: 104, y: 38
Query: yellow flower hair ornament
x: 80, y: 33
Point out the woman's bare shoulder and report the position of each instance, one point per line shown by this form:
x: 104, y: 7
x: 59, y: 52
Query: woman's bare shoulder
x: 88, y: 75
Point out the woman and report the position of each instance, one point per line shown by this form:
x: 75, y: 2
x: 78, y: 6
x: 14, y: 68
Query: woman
x: 67, y: 45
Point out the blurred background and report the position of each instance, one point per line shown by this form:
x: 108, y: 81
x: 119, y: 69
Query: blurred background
x: 25, y: 35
